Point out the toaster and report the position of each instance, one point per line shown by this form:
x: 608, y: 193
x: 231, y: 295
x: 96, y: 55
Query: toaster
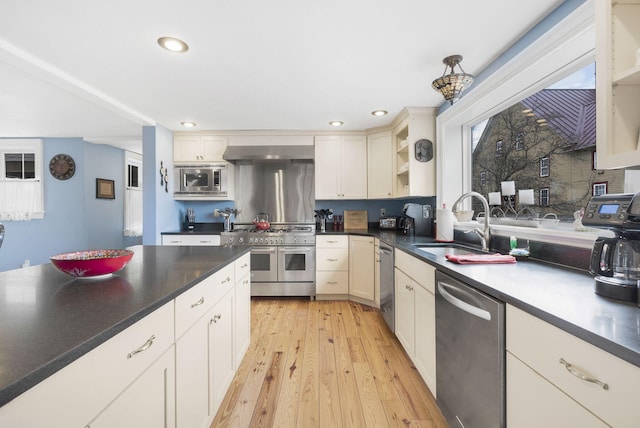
x: 390, y: 223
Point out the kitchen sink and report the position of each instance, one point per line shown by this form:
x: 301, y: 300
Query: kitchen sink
x: 444, y: 249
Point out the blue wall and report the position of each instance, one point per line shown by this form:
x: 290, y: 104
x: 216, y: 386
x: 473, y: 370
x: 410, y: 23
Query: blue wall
x: 159, y: 207
x: 74, y: 219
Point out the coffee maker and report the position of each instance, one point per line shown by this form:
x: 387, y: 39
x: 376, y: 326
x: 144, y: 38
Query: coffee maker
x: 615, y: 262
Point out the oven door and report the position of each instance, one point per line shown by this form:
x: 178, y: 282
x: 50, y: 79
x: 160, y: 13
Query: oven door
x: 296, y: 264
x: 264, y: 264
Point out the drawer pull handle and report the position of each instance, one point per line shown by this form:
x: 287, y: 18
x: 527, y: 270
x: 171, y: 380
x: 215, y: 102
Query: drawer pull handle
x: 332, y: 242
x: 205, y: 242
x: 227, y: 279
x: 144, y: 347
x: 246, y: 281
x: 332, y: 260
x: 215, y: 318
x: 579, y: 374
x: 244, y: 265
x: 198, y: 303
x: 332, y: 282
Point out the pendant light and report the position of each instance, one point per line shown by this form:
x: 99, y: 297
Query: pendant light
x: 453, y: 84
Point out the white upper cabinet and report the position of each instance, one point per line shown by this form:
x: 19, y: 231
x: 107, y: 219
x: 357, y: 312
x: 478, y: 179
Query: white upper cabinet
x: 198, y: 148
x: 617, y: 83
x: 380, y: 165
x: 414, y: 175
x: 341, y: 167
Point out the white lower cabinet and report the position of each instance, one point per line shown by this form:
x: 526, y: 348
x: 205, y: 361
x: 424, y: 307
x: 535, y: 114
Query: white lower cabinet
x: 193, y: 240
x: 534, y: 402
x: 415, y: 313
x: 148, y: 402
x: 578, y: 374
x: 332, y: 265
x: 242, y: 309
x: 361, y: 268
x: 221, y: 348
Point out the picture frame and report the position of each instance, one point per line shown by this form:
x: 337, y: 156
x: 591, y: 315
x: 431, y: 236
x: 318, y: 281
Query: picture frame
x: 105, y: 189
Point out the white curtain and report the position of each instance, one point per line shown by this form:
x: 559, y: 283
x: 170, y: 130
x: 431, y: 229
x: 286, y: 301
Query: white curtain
x: 133, y: 212
x: 20, y: 199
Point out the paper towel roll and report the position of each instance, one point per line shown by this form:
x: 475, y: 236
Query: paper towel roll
x: 444, y: 225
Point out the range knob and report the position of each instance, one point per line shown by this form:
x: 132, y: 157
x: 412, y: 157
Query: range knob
x: 240, y: 240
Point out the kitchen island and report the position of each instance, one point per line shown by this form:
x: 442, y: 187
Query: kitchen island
x: 49, y: 320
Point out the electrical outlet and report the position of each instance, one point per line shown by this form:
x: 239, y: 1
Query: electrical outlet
x: 383, y: 212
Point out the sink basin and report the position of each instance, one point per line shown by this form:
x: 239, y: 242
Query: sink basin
x: 443, y: 250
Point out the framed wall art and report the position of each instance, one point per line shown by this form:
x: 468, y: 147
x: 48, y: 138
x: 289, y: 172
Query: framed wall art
x: 105, y: 189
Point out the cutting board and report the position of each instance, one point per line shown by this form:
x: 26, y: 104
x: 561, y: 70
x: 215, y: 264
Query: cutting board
x: 356, y: 219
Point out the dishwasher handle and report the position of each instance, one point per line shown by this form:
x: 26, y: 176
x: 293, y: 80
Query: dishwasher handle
x: 462, y: 305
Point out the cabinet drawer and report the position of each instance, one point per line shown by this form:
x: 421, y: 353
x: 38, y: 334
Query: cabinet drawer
x: 328, y: 282
x: 195, y: 302
x: 541, y: 346
x: 193, y: 240
x: 242, y: 266
x: 332, y: 259
x: 418, y: 270
x: 91, y: 382
x: 332, y: 241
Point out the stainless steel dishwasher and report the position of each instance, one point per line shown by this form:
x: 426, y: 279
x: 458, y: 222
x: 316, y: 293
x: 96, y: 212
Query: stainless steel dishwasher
x: 470, y: 355
x: 387, y: 285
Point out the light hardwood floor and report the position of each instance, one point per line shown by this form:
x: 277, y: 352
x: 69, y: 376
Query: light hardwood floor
x: 325, y: 364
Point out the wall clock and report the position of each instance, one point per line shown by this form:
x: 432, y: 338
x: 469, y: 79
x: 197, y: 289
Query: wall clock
x: 62, y: 166
x: 424, y: 150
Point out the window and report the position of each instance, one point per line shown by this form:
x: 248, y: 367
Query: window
x: 520, y: 140
x: 133, y: 194
x: 544, y: 197
x: 599, y: 189
x: 544, y: 167
x: 483, y: 178
x: 20, y: 165
x: 21, y: 189
x: 498, y: 148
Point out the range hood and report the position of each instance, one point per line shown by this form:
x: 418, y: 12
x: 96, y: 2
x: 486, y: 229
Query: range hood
x: 265, y: 153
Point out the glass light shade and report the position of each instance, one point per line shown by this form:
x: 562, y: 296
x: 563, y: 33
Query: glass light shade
x: 453, y: 84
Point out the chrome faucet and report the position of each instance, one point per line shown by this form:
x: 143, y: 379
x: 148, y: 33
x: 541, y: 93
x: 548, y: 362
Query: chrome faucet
x: 484, y: 234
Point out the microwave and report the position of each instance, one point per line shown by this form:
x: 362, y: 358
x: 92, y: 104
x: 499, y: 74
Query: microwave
x: 201, y: 180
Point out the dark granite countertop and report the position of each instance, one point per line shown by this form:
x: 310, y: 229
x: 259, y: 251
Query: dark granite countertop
x: 199, y: 229
x: 563, y: 297
x: 48, y: 319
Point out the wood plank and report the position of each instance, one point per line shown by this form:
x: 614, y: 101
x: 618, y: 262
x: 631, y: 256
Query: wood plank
x: 329, y: 394
x: 265, y: 408
x: 308, y: 408
x: 372, y: 409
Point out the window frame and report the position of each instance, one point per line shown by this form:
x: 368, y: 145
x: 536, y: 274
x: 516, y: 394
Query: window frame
x: 560, y: 45
x: 544, y: 197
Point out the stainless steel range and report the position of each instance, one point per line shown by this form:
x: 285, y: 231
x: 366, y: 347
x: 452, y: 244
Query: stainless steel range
x: 283, y: 258
x: 276, y: 183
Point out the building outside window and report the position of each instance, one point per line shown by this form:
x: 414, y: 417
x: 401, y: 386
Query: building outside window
x: 556, y: 124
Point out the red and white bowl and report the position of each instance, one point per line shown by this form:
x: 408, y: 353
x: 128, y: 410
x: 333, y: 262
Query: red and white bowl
x: 92, y: 263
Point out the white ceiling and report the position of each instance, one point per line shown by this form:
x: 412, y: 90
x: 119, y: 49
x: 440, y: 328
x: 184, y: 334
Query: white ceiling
x: 93, y: 69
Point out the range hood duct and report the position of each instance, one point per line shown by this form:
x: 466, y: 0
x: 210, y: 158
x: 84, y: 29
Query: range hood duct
x: 265, y: 153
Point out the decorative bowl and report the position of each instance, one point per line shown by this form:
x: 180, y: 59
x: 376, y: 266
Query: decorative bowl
x: 463, y: 216
x: 92, y: 263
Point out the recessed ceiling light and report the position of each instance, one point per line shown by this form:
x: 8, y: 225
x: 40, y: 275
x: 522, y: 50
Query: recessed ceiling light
x: 188, y: 124
x: 172, y: 44
x: 336, y: 123
x: 379, y: 112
